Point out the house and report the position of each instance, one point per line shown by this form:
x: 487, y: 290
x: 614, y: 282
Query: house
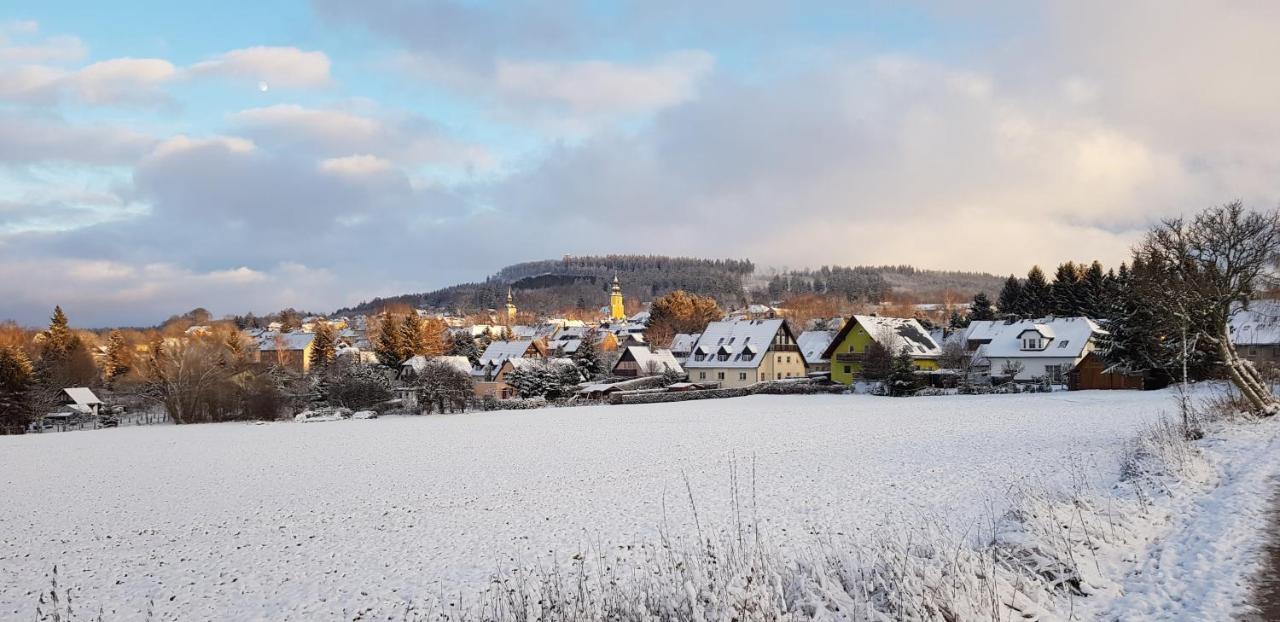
x: 569, y: 339
x: 848, y: 349
x: 1045, y: 348
x: 286, y: 350
x: 682, y: 345
x: 981, y: 332
x: 81, y: 400
x: 486, y: 375
x: 637, y: 361
x: 739, y: 353
x: 813, y: 343
x: 414, y: 365
x: 498, y: 387
x: 1255, y: 331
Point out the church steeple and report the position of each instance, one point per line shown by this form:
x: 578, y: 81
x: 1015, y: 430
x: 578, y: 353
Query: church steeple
x: 511, y: 306
x: 616, y: 309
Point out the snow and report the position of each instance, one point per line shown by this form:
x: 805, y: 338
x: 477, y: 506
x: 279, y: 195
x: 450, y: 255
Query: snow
x: 278, y: 521
x: 1208, y: 547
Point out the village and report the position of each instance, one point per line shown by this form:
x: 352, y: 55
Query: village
x: 419, y: 361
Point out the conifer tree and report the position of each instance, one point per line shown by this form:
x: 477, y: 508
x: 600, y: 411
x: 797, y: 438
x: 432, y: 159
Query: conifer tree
x: 957, y: 321
x: 323, y: 347
x: 981, y: 309
x: 411, y: 338
x: 1010, y: 301
x: 1037, y: 297
x: 15, y: 383
x: 902, y: 375
x: 1067, y: 291
x: 118, y: 361
x: 1094, y: 288
x: 389, y: 344
x: 464, y: 344
x: 58, y: 339
x: 587, y: 357
x: 434, y: 340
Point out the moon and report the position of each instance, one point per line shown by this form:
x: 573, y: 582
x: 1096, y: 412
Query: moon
x: 263, y: 86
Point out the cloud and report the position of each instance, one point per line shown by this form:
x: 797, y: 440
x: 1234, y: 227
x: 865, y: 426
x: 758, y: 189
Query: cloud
x: 27, y: 139
x: 599, y: 87
x: 277, y: 66
x: 332, y: 133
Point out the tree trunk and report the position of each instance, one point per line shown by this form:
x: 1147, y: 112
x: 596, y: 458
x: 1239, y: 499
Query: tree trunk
x: 1245, y: 385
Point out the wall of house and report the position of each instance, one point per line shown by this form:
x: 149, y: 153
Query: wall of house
x: 773, y: 366
x: 1261, y: 354
x: 1034, y: 367
x: 857, y: 342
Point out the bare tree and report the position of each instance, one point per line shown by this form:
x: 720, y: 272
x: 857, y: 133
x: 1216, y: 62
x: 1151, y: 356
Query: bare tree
x: 1213, y: 265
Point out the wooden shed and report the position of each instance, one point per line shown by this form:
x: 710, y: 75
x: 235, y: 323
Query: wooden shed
x: 1091, y: 374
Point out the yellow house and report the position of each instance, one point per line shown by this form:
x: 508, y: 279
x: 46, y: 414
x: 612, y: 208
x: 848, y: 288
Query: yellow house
x: 849, y: 348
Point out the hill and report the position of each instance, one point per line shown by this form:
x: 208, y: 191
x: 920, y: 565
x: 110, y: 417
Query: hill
x: 583, y: 283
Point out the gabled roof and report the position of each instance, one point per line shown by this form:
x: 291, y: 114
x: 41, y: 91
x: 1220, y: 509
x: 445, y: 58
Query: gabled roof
x: 1258, y: 325
x: 271, y: 341
x: 645, y: 358
x: 728, y: 337
x: 419, y: 363
x: 891, y: 332
x: 499, y: 351
x: 1067, y: 338
x: 82, y: 396
x: 813, y: 343
x: 684, y: 342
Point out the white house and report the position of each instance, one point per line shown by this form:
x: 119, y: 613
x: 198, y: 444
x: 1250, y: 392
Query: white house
x: 1255, y: 331
x: 1042, y: 348
x: 739, y: 353
x: 812, y: 344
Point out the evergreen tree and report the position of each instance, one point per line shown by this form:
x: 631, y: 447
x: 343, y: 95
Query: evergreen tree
x: 981, y: 309
x: 1037, y: 296
x: 957, y: 321
x: 587, y: 357
x: 433, y: 337
x: 1094, y: 288
x: 1010, y: 301
x: 464, y: 343
x: 323, y: 347
x: 119, y: 360
x: 1067, y: 291
x: 902, y: 375
x: 58, y: 339
x: 15, y: 382
x: 389, y: 343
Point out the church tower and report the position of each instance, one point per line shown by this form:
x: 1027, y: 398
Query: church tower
x: 616, y: 310
x: 511, y: 307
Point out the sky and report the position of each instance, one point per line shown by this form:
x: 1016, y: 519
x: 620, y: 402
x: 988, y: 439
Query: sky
x: 249, y: 156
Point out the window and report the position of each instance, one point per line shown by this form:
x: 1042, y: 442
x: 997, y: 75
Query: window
x: 747, y: 356
x: 721, y: 375
x: 742, y: 376
x: 848, y: 369
x: 1053, y: 373
x: 702, y: 375
x: 1063, y: 344
x: 788, y: 359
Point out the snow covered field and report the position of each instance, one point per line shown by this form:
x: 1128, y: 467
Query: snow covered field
x: 321, y: 519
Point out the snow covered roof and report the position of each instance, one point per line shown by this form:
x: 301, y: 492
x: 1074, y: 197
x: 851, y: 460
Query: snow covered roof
x: 893, y: 333
x: 499, y: 351
x: 814, y: 342
x: 647, y: 359
x: 521, y: 363
x: 1067, y: 338
x: 684, y: 342
x: 270, y: 341
x: 640, y: 318
x: 1258, y: 325
x: 82, y: 396
x: 728, y: 338
x: 983, y: 330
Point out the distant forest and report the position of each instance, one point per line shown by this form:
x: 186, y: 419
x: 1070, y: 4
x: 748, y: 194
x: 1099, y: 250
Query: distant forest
x: 583, y: 283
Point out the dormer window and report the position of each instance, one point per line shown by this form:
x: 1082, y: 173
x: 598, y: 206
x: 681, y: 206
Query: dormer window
x: 1032, y: 343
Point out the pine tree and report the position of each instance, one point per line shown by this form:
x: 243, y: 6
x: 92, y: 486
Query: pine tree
x: 1010, y: 301
x: 58, y: 339
x: 1037, y: 297
x: 464, y: 344
x: 981, y: 309
x: 15, y: 383
x: 323, y: 347
x: 957, y: 321
x: 411, y: 338
x: 587, y: 357
x: 902, y: 375
x: 119, y: 361
x: 1094, y: 288
x: 389, y: 344
x: 1067, y: 291
x: 434, y: 340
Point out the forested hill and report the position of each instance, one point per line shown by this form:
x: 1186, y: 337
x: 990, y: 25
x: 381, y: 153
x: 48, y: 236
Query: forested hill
x: 583, y: 282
